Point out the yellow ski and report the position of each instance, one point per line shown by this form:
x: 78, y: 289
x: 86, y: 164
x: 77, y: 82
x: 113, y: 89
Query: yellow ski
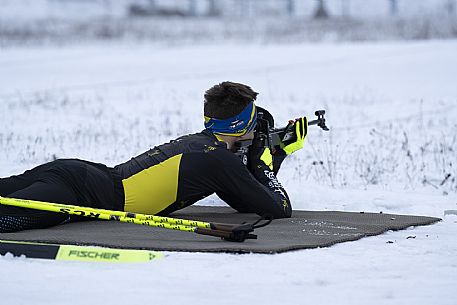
x: 76, y: 253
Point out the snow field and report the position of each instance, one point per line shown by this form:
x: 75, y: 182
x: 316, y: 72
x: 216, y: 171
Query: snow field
x: 414, y: 266
x: 389, y: 103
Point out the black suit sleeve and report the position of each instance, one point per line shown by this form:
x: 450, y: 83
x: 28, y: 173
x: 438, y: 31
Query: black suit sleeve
x: 259, y: 192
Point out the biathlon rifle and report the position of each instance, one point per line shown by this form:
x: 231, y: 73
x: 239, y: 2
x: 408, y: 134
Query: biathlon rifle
x: 266, y: 135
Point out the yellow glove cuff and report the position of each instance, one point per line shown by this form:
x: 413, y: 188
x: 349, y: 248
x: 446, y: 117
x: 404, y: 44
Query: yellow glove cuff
x: 267, y: 158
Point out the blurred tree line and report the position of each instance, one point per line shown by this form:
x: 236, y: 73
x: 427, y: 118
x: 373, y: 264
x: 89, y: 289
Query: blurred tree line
x: 319, y: 8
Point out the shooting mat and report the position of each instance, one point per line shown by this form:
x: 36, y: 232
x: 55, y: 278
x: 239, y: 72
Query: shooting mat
x: 306, y: 229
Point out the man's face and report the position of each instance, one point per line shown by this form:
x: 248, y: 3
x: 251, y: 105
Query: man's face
x: 248, y: 136
x: 232, y: 140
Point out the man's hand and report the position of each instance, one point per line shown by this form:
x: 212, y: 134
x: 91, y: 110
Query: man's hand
x: 267, y: 158
x: 294, y: 140
x: 295, y: 135
x: 263, y: 155
x: 259, y: 155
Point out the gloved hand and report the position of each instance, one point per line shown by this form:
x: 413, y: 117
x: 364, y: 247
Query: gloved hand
x: 295, y: 136
x: 294, y: 140
x: 259, y: 155
x: 263, y: 156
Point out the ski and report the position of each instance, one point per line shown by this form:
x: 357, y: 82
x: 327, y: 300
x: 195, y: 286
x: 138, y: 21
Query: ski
x: 76, y: 253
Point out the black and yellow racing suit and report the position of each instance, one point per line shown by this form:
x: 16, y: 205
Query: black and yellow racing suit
x: 164, y: 179
x: 172, y: 176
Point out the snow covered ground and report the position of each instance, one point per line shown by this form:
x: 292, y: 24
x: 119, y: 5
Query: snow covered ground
x: 391, y: 109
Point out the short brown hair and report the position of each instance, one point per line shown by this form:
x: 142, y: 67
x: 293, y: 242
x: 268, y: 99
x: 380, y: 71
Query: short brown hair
x: 227, y: 99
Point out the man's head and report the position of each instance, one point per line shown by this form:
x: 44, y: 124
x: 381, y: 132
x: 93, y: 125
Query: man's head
x: 229, y: 109
x: 230, y: 113
x: 227, y: 99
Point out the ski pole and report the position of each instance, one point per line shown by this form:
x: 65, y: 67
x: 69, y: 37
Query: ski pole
x: 230, y: 232
x: 86, y: 211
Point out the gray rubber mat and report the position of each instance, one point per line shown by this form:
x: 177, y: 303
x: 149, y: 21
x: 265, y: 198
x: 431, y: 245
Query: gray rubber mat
x: 306, y: 229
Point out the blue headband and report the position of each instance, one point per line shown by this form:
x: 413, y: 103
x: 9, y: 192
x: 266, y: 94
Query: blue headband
x: 238, y: 125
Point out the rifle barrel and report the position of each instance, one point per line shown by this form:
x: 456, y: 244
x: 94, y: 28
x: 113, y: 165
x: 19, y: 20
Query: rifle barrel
x: 314, y: 122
